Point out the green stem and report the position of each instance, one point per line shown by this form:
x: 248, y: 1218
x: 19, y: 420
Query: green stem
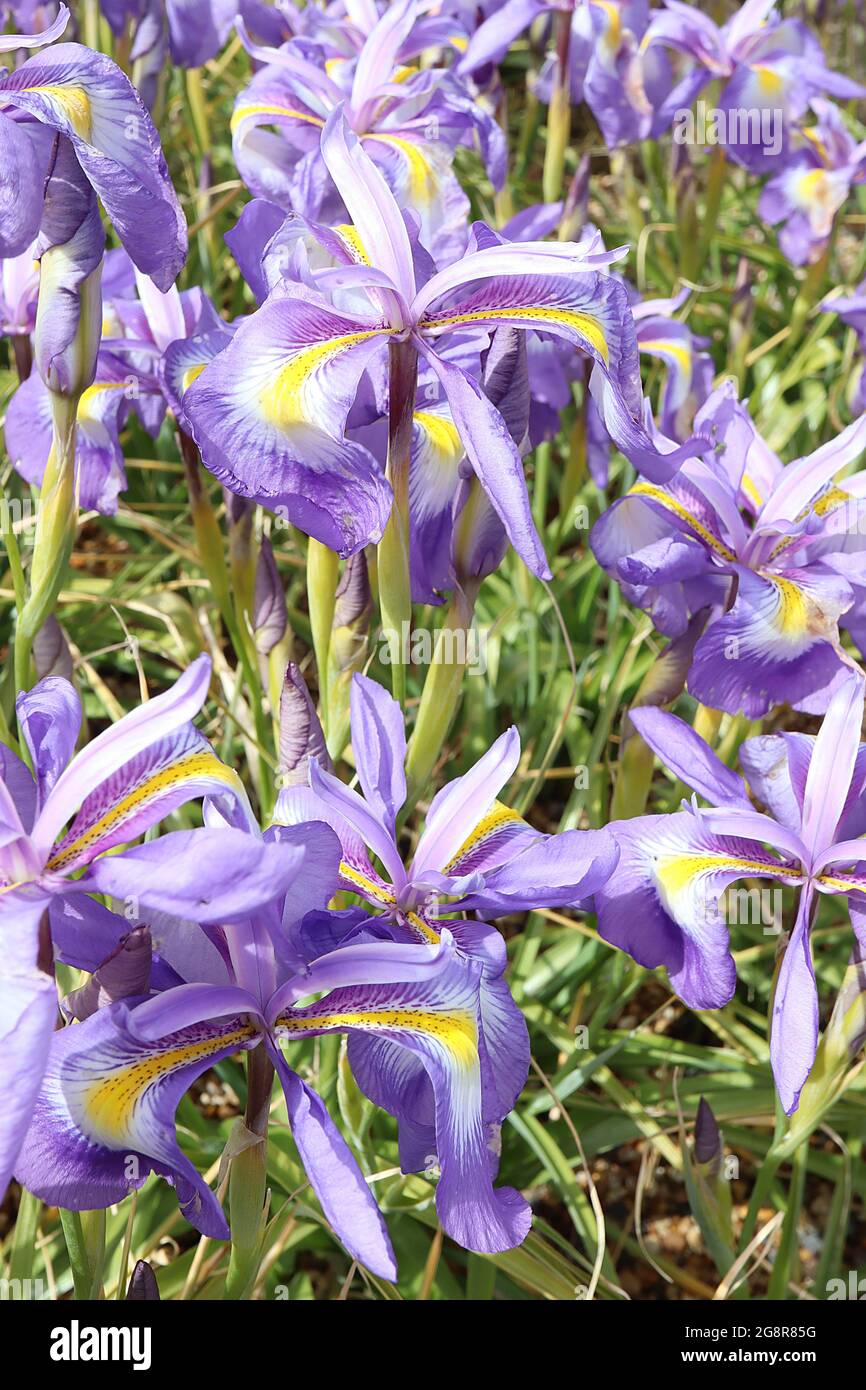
x: 760, y: 1192
x: 10, y: 540
x: 559, y: 114
x: 91, y: 24
x: 248, y: 1181
x: 542, y: 484
x: 84, y: 1233
x: 715, y: 187
x: 55, y: 532
x: 198, y: 108
x: 395, y: 589
x: 323, y: 572
x: 784, y: 1265
x: 441, y: 693
x: 211, y: 554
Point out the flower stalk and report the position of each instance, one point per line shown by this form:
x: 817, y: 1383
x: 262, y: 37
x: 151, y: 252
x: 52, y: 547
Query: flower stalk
x: 559, y: 113
x: 323, y: 573
x: 441, y: 694
x: 55, y: 533
x: 248, y: 1181
x: 395, y: 590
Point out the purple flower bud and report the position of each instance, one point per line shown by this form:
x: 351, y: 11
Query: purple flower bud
x: 143, y: 1287
x: 270, y: 618
x: 69, y: 248
x: 124, y: 974
x: 301, y: 735
x: 708, y: 1138
x: 51, y: 653
x: 352, y: 607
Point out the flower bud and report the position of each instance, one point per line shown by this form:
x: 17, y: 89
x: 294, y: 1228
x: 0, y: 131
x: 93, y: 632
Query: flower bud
x: 301, y: 735
x: 69, y: 248
x: 270, y: 618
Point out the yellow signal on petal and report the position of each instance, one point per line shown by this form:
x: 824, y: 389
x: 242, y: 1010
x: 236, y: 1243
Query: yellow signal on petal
x: 792, y: 609
x: 442, y: 434
x: 74, y: 103
x: 110, y: 1102
x: 87, y: 404
x: 457, y: 1032
x: 354, y: 245
x: 190, y: 375
x: 666, y: 347
x: 496, y: 817
x: 199, y: 764
x: 422, y: 175
x: 677, y: 877
x: 379, y: 892
x: 612, y: 38
x: 584, y: 324
x: 751, y: 492
x: 383, y: 895
x: 267, y: 108
x: 841, y: 883
x: 665, y: 499
x: 769, y: 81
x: 282, y: 400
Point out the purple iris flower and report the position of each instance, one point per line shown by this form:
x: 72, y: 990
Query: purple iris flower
x: 409, y: 119
x: 776, y: 556
x: 474, y: 855
x: 79, y: 100
x: 606, y: 67
x: 269, y: 412
x: 434, y: 1036
x: 814, y: 185
x: 139, y: 324
x: 344, y: 26
x: 770, y: 68
x: 125, y: 781
x: 211, y: 990
x: 664, y: 905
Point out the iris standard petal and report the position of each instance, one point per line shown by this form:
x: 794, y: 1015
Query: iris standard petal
x: 794, y: 1028
x: 689, y: 757
x: 50, y: 717
x: 379, y: 745
x: 458, y: 808
x: 130, y: 736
